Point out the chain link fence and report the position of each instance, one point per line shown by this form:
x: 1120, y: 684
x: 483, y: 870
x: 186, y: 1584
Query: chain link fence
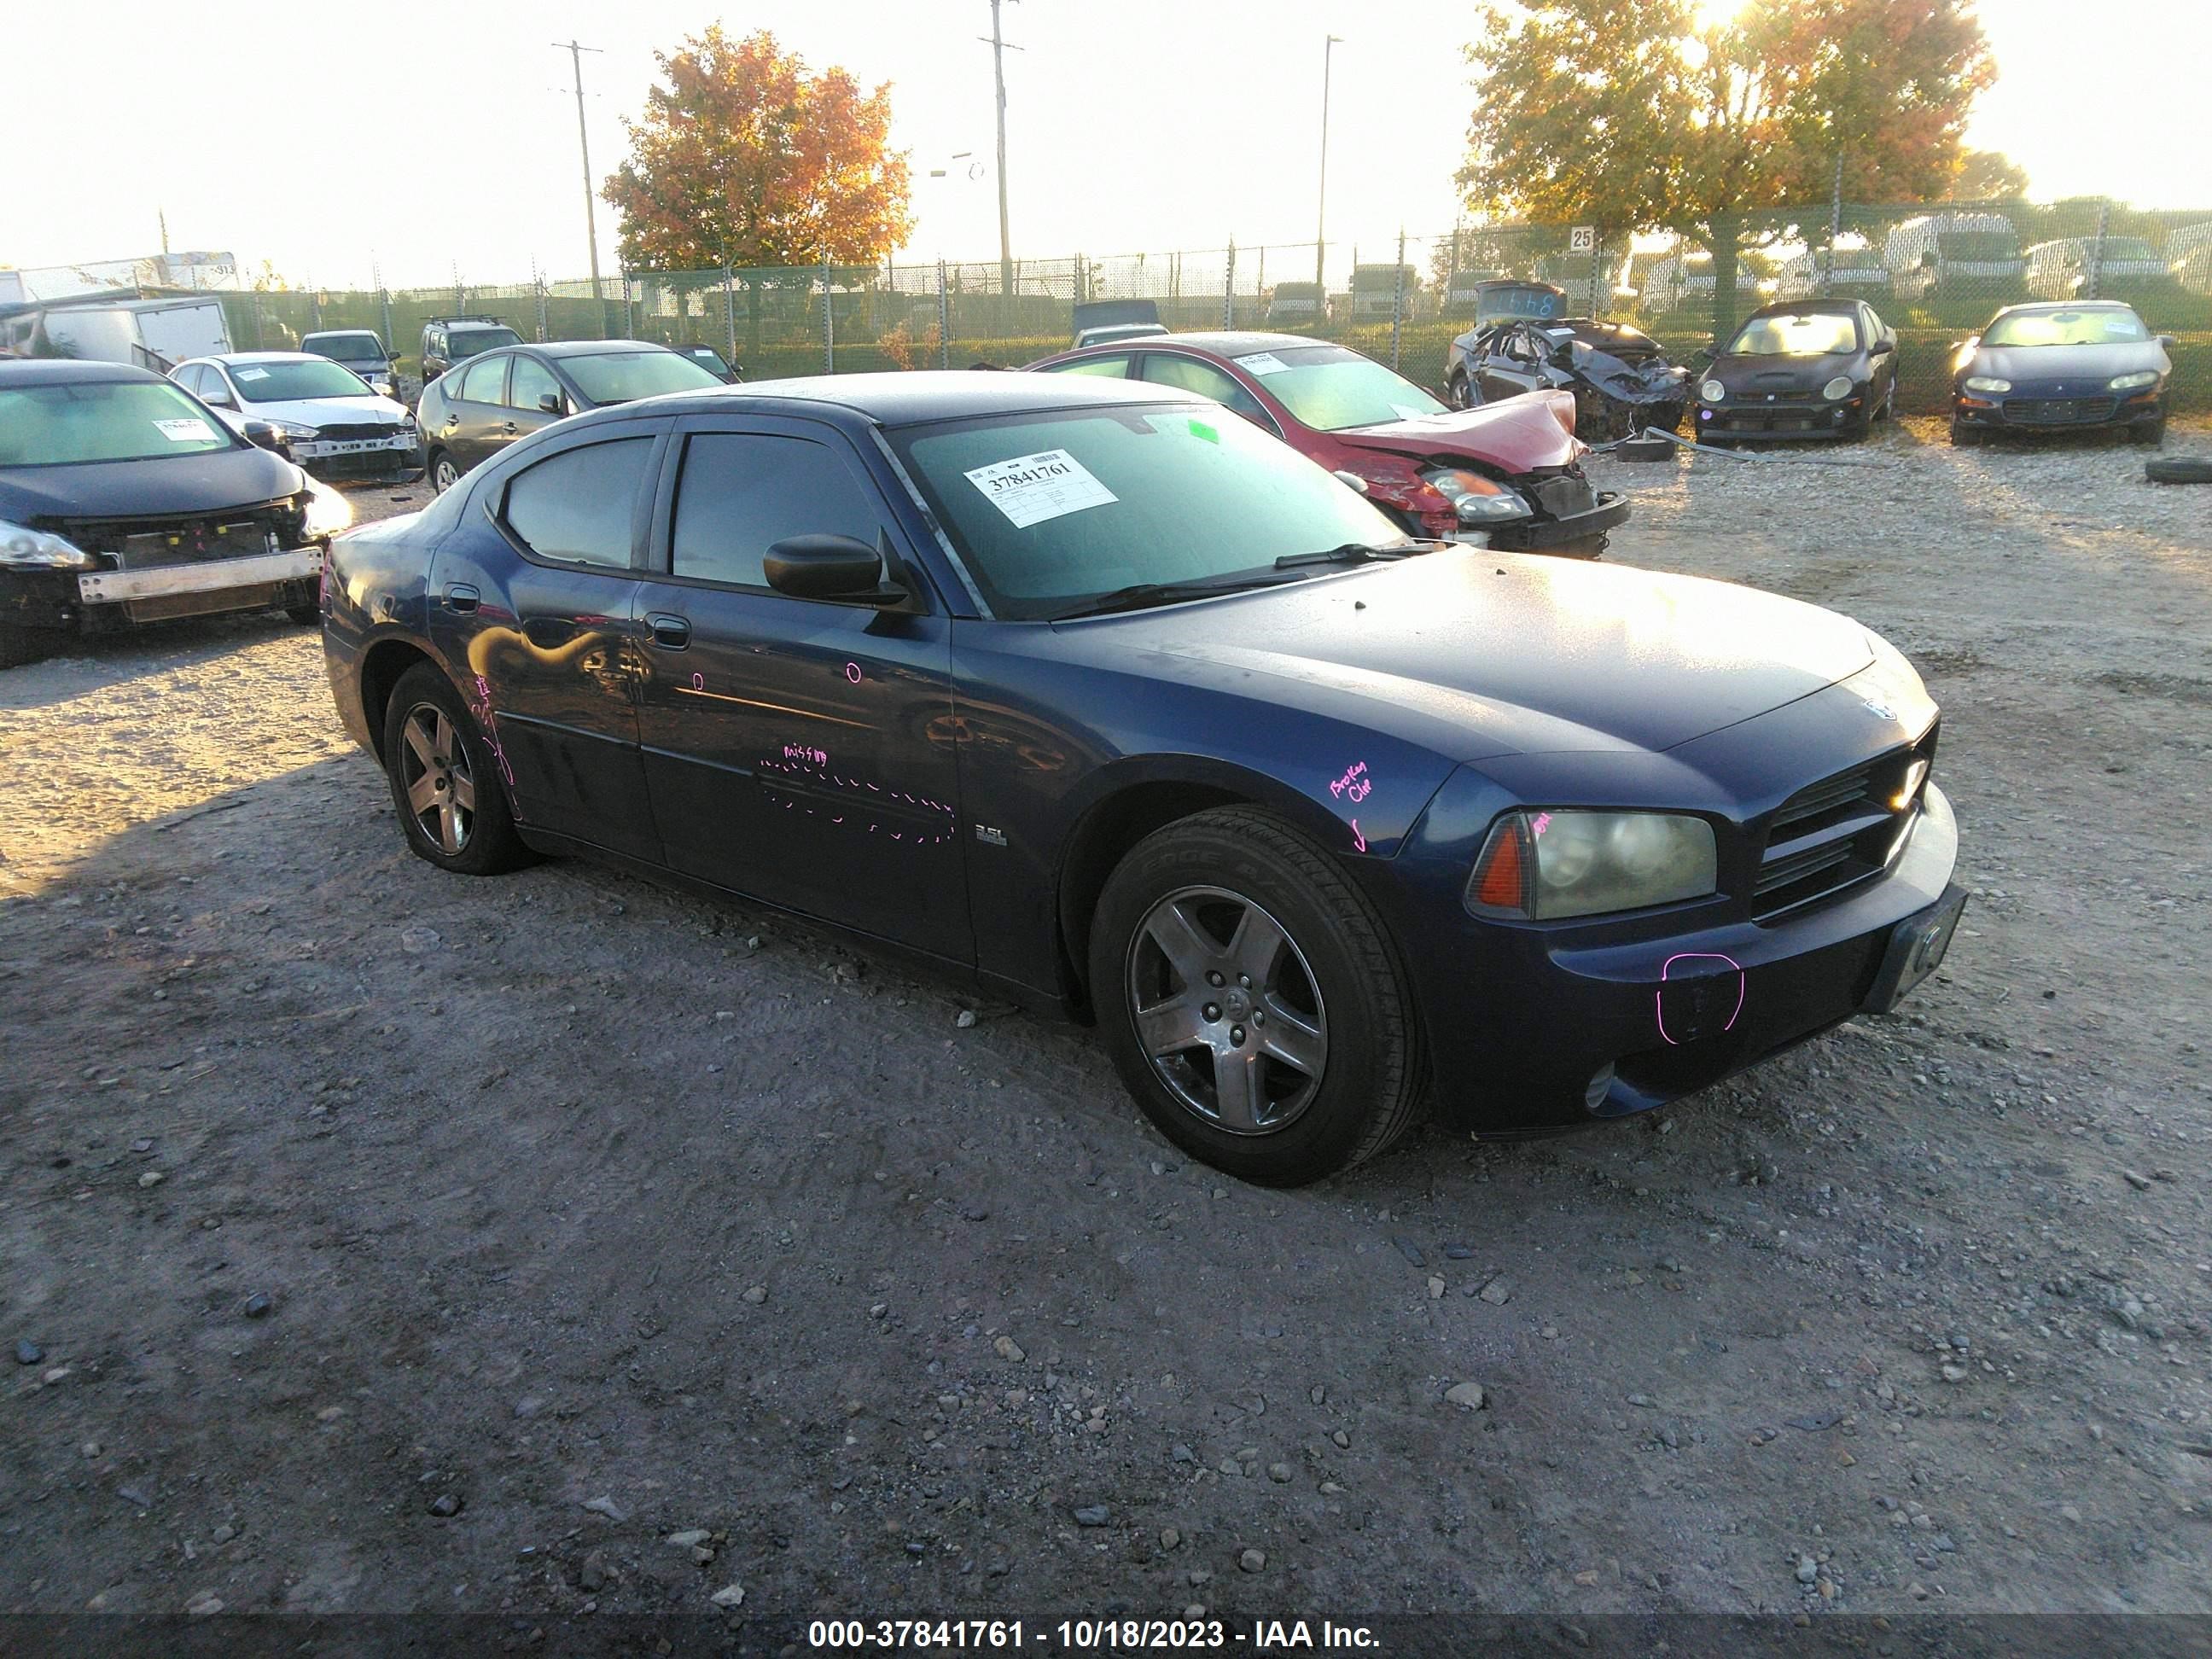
x: 1936, y: 273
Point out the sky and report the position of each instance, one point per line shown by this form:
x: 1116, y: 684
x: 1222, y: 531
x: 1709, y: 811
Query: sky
x: 424, y: 137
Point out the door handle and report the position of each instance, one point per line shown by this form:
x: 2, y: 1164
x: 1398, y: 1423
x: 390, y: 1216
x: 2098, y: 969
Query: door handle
x: 669, y: 633
x: 452, y: 421
x: 461, y: 597
x: 507, y: 427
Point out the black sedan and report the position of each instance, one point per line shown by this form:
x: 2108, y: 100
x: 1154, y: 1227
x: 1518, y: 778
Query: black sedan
x: 2067, y: 365
x: 477, y: 408
x: 1619, y: 377
x: 123, y: 500
x: 1809, y: 368
x: 1114, y: 706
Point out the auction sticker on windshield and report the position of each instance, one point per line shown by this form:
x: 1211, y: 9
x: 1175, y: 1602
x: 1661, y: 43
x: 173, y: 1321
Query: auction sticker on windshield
x: 1031, y: 488
x: 1263, y: 362
x: 192, y: 430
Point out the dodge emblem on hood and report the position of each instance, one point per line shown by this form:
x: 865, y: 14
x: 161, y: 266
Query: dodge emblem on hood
x: 1881, y: 711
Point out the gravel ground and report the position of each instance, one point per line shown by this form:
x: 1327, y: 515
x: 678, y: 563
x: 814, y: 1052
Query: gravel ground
x: 375, y: 1240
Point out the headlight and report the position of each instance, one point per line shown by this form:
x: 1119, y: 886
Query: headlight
x: 1477, y: 500
x: 1985, y: 383
x: 293, y: 430
x: 1548, y: 864
x: 22, y: 548
x: 328, y: 511
x: 1712, y: 390
x: 1837, y: 389
x: 2142, y: 377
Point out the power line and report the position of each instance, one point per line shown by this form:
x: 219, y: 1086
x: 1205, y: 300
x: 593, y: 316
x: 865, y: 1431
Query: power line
x: 591, y: 213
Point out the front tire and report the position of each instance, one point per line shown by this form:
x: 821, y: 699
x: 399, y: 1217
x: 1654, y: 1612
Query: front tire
x: 1457, y: 392
x: 445, y: 775
x: 2149, y: 434
x: 19, y: 646
x: 1252, y: 1000
x: 1964, y: 436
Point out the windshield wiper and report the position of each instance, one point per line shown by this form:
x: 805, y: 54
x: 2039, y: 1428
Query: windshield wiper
x: 1353, y: 553
x: 1138, y: 595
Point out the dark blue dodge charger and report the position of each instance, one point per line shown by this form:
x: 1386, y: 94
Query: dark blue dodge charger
x: 1101, y: 699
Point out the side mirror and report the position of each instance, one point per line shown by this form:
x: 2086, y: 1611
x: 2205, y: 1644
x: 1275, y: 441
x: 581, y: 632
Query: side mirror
x: 825, y: 567
x: 219, y: 399
x: 1882, y: 347
x: 549, y: 402
x: 262, y: 435
x: 2167, y: 341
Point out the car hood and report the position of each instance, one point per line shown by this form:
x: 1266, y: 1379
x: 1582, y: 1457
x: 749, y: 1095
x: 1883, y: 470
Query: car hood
x: 1740, y: 372
x: 2092, y: 365
x: 329, y: 411
x: 168, y: 484
x: 1478, y: 654
x: 1520, y: 434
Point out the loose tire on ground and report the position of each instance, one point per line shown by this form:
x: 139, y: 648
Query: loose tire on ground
x: 1219, y: 887
x: 2178, y: 469
x: 1645, y: 449
x: 445, y: 781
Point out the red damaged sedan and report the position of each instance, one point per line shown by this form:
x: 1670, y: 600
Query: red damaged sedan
x: 1508, y: 475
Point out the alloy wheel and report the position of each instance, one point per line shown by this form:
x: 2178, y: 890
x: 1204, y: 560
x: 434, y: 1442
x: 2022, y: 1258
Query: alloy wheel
x: 445, y: 474
x: 441, y: 790
x: 1227, y: 1010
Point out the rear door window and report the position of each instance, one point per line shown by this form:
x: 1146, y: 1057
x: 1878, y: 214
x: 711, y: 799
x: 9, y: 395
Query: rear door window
x: 1115, y: 367
x: 481, y: 382
x: 740, y: 492
x: 580, y: 505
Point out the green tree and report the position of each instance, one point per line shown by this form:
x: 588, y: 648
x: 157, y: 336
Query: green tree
x: 1637, y: 114
x: 1987, y: 175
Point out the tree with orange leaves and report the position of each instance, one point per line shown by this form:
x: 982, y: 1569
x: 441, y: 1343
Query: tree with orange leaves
x: 745, y: 158
x: 1640, y: 114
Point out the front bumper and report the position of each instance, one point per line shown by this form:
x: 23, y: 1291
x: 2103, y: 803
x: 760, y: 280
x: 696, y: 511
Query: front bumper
x: 2030, y: 408
x: 359, y: 458
x: 1538, y: 535
x: 102, y: 601
x: 1525, y: 1038
x: 1807, y: 421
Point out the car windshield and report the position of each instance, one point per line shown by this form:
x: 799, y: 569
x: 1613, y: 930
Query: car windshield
x: 346, y: 348
x: 84, y: 421
x: 1050, y: 511
x: 467, y: 342
x: 1333, y: 390
x: 1811, y: 334
x: 290, y: 379
x: 2066, y: 328
x: 1978, y: 243
x: 707, y: 357
x: 2121, y: 247
x: 617, y: 377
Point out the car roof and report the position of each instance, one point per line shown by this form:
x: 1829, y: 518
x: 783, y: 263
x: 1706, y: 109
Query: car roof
x: 1806, y: 307
x: 2066, y: 304
x: 68, y: 371
x: 241, y: 358
x: 586, y: 348
x: 336, y: 333
x: 893, y: 397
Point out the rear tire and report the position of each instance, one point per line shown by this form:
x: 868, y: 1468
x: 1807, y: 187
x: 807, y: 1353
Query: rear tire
x: 446, y: 778
x: 443, y: 474
x: 1239, y: 894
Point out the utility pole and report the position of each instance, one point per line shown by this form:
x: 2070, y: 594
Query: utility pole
x: 999, y: 49
x: 162, y: 214
x: 1320, y: 211
x: 583, y: 138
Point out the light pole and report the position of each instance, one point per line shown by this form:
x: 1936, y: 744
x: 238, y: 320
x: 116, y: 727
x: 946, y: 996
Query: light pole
x: 1320, y: 210
x: 590, y: 216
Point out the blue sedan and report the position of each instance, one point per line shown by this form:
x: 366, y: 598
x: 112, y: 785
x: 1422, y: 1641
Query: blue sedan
x: 1114, y: 706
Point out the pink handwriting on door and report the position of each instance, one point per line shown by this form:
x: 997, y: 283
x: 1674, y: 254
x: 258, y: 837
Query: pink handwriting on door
x: 799, y: 752
x: 1354, y: 785
x: 852, y: 672
x: 482, y: 709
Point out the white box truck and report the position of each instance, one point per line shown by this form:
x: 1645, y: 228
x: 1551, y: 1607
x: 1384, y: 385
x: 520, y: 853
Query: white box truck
x: 155, y: 334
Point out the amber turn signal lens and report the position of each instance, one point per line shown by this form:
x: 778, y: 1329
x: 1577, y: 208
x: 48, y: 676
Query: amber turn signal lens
x: 1501, y: 874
